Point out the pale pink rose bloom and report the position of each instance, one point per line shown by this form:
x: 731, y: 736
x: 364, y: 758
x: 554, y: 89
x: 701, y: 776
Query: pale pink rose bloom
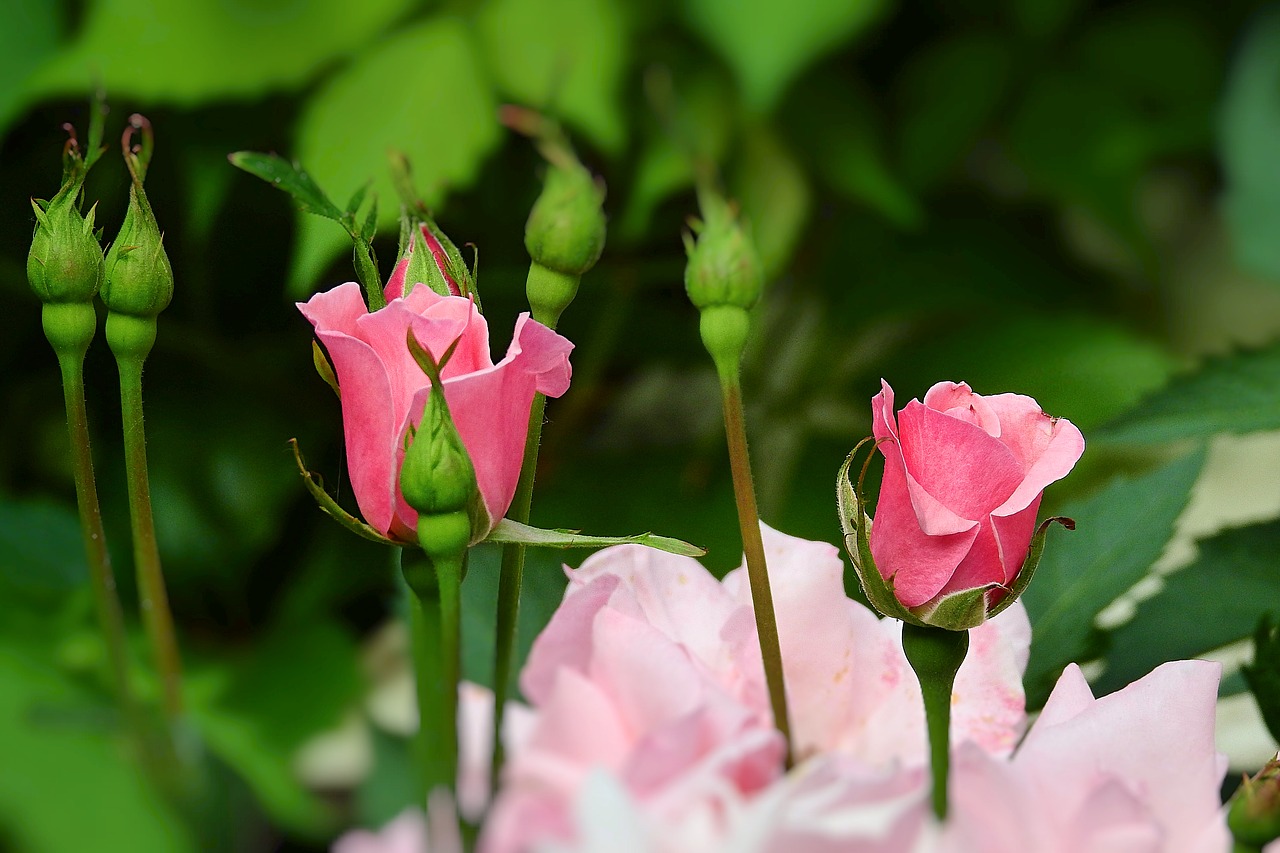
x: 849, y: 686
x: 410, y: 832
x: 650, y: 670
x: 962, y: 484
x: 383, y: 390
x: 1134, y: 771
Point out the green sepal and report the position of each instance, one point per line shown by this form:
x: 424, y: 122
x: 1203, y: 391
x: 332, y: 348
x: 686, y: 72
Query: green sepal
x: 357, y: 198
x: 959, y: 611
x: 514, y: 532
x: 857, y: 532
x: 324, y: 368
x: 1029, y: 565
x: 330, y: 507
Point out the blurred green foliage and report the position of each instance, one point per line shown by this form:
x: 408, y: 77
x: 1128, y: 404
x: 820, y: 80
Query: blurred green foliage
x: 1070, y: 199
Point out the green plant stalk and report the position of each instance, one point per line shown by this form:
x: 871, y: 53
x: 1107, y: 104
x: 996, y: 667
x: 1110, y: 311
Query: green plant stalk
x: 753, y: 547
x: 153, y: 599
x: 106, y: 600
x: 511, y: 574
x: 936, y: 654
x: 435, y: 619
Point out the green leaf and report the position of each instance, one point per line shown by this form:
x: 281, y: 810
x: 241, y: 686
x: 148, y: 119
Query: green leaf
x: 192, y: 52
x: 422, y: 93
x: 1120, y: 532
x: 54, y: 757
x: 767, y: 44
x: 29, y: 32
x: 1238, y: 393
x: 1216, y: 600
x: 946, y: 96
x: 1263, y: 675
x: 513, y: 531
x: 566, y: 58
x: 842, y: 129
x: 255, y: 713
x: 41, y: 550
x: 291, y: 178
x: 775, y: 198
x: 1248, y: 127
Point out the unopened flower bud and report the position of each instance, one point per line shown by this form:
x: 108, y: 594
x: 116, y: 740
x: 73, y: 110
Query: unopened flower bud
x: 566, y: 228
x: 1254, y: 814
x: 430, y: 258
x: 437, y: 479
x: 138, y: 280
x: 724, y: 267
x: 65, y: 261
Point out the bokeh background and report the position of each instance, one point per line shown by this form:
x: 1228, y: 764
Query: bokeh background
x: 1070, y: 199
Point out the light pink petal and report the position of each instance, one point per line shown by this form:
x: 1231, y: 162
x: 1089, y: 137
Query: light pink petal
x: 957, y: 400
x: 406, y: 834
x: 1113, y: 820
x: 957, y: 463
x: 988, y: 705
x: 1063, y: 446
x: 980, y: 566
x: 579, y: 728
x: 652, y: 680
x: 369, y: 408
x: 490, y: 408
x: 1155, y: 735
x: 884, y: 423
x: 990, y: 809
x: 675, y: 594
x: 566, y: 641
x: 475, y: 748
x: 1013, y: 534
x: 920, y: 564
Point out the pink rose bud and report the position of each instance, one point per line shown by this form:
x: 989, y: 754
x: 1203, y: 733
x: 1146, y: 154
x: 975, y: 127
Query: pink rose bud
x: 384, y: 391
x: 962, y: 483
x: 429, y: 257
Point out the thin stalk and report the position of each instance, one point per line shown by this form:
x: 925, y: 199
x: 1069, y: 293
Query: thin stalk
x: 153, y: 600
x: 936, y: 654
x: 106, y: 600
x: 435, y: 621
x: 753, y: 546
x: 511, y: 574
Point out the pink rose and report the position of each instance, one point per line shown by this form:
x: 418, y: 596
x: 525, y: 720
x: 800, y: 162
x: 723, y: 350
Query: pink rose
x: 962, y: 483
x: 383, y: 389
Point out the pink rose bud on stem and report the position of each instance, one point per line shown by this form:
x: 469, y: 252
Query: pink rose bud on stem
x: 955, y: 539
x: 64, y: 269
x: 1254, y: 813
x: 137, y: 286
x: 564, y: 236
x: 724, y: 279
x: 439, y: 482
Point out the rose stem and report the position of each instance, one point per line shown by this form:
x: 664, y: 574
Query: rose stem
x: 152, y: 597
x: 435, y: 587
x: 511, y: 574
x: 936, y: 654
x: 107, y: 602
x: 753, y: 547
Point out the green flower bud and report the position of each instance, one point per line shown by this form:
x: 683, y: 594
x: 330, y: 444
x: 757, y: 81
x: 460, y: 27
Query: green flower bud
x: 65, y: 261
x: 437, y: 479
x: 138, y: 280
x: 566, y: 228
x: 429, y: 257
x: 723, y: 268
x: 1254, y: 815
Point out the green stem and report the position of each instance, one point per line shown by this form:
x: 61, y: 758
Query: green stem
x: 936, y: 654
x: 106, y: 600
x: 753, y: 546
x: 511, y: 575
x: 153, y: 599
x: 435, y: 610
